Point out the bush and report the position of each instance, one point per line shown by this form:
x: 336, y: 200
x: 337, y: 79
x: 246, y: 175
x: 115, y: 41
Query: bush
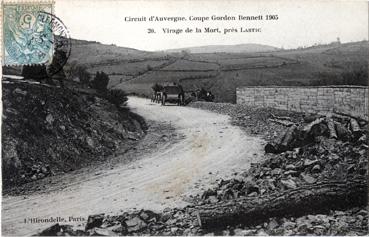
x: 78, y: 71
x: 356, y: 76
x: 100, y: 81
x: 117, y: 97
x: 149, y: 67
x: 83, y: 75
x: 352, y: 76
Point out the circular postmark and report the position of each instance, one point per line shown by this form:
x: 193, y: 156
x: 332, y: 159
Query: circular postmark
x: 62, y: 43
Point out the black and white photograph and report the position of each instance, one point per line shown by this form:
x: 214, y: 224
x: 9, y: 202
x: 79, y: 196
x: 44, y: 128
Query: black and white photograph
x: 184, y: 118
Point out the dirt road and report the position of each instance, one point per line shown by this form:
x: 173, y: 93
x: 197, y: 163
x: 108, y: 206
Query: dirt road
x: 209, y: 148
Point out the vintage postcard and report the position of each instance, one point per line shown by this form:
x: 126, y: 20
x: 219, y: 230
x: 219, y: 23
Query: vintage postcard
x: 184, y: 117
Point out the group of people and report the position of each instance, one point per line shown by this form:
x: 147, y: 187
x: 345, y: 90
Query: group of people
x: 203, y: 94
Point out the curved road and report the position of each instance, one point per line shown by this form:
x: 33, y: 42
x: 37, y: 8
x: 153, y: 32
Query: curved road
x: 211, y: 148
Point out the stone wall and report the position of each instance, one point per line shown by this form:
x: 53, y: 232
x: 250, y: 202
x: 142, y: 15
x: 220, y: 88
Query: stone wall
x: 351, y: 100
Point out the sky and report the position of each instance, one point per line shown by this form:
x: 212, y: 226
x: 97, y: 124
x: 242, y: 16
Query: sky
x: 300, y: 23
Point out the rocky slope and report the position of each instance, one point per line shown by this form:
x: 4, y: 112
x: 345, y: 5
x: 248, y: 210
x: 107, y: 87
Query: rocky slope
x: 47, y: 130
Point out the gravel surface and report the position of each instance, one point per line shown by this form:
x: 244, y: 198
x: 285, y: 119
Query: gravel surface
x: 253, y: 120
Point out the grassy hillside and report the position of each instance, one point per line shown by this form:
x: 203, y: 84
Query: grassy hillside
x: 221, y: 71
x: 239, y: 48
x: 93, y: 53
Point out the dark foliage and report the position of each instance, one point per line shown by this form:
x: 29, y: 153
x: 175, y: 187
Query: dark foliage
x: 100, y: 81
x: 357, y: 76
x: 80, y: 72
x: 117, y: 97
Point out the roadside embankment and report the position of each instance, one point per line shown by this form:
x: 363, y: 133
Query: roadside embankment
x: 48, y: 130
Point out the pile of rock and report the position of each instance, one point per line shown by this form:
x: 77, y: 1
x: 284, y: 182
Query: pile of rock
x: 326, y: 159
x: 297, y: 135
x: 350, y: 222
x: 307, y: 150
x: 184, y: 222
x: 143, y: 222
x: 36, y: 171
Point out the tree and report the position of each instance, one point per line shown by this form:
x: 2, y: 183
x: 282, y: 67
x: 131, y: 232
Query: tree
x: 338, y: 40
x: 79, y: 71
x: 149, y: 67
x: 100, y: 81
x: 83, y: 75
x: 185, y: 53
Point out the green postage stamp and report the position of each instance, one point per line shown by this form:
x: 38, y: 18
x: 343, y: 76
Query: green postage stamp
x: 27, y: 33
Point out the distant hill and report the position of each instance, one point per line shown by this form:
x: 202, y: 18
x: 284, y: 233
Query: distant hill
x: 238, y: 48
x: 223, y: 68
x: 94, y: 53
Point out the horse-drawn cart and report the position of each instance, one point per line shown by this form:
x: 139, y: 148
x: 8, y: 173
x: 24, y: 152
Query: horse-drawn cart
x: 173, y: 94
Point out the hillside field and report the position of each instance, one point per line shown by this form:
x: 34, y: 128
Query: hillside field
x: 136, y: 71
